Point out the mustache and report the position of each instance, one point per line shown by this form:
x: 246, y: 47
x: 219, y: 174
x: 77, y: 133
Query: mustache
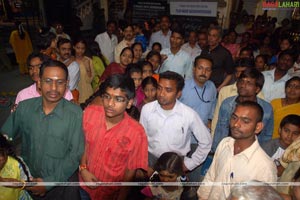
x: 202, y: 76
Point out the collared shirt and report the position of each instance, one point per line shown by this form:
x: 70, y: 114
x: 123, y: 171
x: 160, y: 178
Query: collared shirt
x: 223, y: 63
x: 274, y: 89
x: 192, y: 51
x: 225, y: 92
x: 174, y: 132
x: 52, y: 144
x: 74, y: 74
x: 120, y: 47
x: 158, y: 36
x: 30, y: 92
x: 251, y: 164
x: 179, y: 62
x: 228, y: 106
x: 107, y: 45
x: 111, y: 151
x: 194, y: 97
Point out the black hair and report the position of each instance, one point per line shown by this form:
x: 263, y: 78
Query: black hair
x: 295, y: 78
x: 133, y: 112
x: 179, y: 31
x: 96, y: 51
x: 7, y: 149
x: 170, y: 162
x: 131, y: 68
x: 111, y: 22
x: 247, y: 48
x: 54, y: 63
x: 121, y: 81
x: 45, y: 40
x: 125, y: 49
x: 39, y: 55
x: 244, y: 62
x: 156, y: 44
x: 153, y: 53
x: 136, y: 43
x: 264, y: 57
x: 175, y: 77
x: 290, y: 119
x: 145, y: 63
x: 256, y: 106
x: 149, y: 80
x: 62, y: 41
x: 82, y: 40
x: 205, y: 57
x: 255, y: 74
x: 289, y: 52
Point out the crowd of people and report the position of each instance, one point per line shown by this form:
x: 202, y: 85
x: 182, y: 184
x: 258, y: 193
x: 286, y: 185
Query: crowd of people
x: 157, y: 106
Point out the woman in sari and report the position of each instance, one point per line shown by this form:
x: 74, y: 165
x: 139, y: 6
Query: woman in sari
x: 288, y: 105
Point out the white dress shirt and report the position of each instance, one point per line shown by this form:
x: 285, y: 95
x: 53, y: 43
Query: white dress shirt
x: 274, y: 89
x: 180, y: 62
x: 251, y: 164
x: 158, y: 36
x: 174, y: 132
x: 107, y: 45
x: 193, y: 52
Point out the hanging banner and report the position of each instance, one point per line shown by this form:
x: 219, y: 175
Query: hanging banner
x: 205, y: 9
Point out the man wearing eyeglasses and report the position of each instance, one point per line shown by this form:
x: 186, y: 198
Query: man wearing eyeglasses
x: 116, y: 145
x: 34, y: 62
x: 50, y: 128
x: 249, y: 84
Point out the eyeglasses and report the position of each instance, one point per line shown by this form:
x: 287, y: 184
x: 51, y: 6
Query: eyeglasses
x: 202, y: 95
x: 59, y: 82
x: 116, y: 99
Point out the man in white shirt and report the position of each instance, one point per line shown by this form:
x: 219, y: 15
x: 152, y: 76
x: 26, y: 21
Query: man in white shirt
x: 64, y: 47
x: 162, y: 36
x: 175, y: 59
x: 192, y: 47
x: 275, y: 79
x: 169, y: 124
x: 239, y: 158
x: 108, y: 41
x: 126, y: 42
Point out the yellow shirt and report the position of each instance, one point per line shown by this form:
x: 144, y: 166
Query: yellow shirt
x: 251, y: 164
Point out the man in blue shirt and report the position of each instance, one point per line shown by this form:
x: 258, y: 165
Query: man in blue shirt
x: 249, y: 85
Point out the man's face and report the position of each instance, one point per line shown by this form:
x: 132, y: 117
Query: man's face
x: 192, y: 38
x: 288, y: 133
x: 34, y: 68
x: 247, y: 87
x: 53, y: 84
x: 167, y: 93
x: 111, y: 28
x: 202, y: 40
x: 128, y: 33
x: 165, y: 23
x: 214, y: 37
x: 202, y: 71
x: 243, y: 123
x: 285, y: 62
x: 115, y: 103
x: 176, y: 40
x: 239, y: 70
x: 65, y: 51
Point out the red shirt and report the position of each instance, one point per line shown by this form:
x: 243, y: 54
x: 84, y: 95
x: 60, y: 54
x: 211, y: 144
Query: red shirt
x: 112, y: 68
x: 111, y: 152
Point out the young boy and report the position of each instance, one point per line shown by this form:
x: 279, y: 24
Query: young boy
x: 115, y: 144
x: 289, y: 131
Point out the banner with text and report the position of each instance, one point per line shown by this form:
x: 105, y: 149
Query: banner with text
x: 206, y: 9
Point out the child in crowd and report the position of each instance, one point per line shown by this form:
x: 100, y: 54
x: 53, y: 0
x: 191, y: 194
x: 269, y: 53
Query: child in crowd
x: 289, y: 131
x: 156, y: 46
x: 147, y: 69
x: 155, y: 59
x: 12, y: 169
x: 261, y: 63
x: 149, y: 86
x: 100, y: 62
x: 137, y: 52
x: 86, y: 70
x: 135, y: 72
x: 140, y: 37
x: 168, y: 168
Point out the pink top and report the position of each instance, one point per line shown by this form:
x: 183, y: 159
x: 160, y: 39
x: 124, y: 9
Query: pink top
x: 30, y: 92
x: 139, y: 97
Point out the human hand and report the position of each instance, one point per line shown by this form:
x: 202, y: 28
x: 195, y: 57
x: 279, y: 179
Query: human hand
x: 88, y: 177
x: 37, y: 190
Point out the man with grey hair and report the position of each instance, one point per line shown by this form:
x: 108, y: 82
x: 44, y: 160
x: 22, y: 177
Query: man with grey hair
x: 254, y: 190
x: 223, y: 62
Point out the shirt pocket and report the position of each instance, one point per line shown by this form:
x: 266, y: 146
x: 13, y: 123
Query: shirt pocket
x: 177, y: 134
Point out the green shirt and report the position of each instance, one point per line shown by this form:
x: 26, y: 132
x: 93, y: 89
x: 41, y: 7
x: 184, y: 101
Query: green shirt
x: 52, y: 145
